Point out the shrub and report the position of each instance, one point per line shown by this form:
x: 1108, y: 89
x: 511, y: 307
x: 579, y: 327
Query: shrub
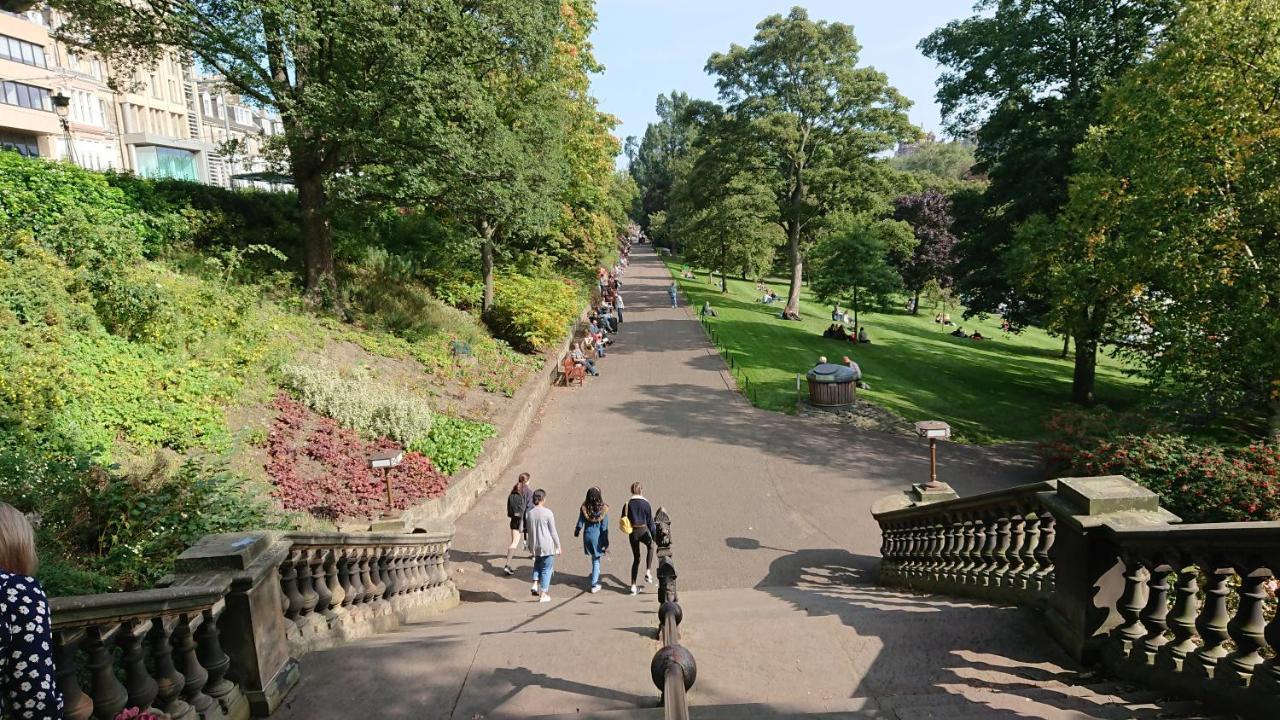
x: 533, y: 313
x: 455, y: 443
x: 357, y: 402
x: 1197, y: 480
x: 322, y: 469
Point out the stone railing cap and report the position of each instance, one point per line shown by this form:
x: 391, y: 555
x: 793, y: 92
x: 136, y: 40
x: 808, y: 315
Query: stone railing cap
x: 85, y: 610
x: 224, y: 551
x: 1107, y: 494
x: 892, y: 509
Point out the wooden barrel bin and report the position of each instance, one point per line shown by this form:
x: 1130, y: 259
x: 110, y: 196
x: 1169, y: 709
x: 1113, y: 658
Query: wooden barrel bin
x: 831, y: 386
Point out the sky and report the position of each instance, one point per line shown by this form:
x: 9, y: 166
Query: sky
x: 649, y: 47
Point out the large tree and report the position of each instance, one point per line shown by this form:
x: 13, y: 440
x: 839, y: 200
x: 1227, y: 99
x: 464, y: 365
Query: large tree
x: 325, y: 67
x: 1175, y: 214
x: 812, y: 121
x: 662, y: 153
x: 852, y: 262
x: 1026, y: 77
x: 929, y: 215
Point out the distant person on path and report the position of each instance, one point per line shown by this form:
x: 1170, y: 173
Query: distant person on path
x: 519, y: 502
x: 593, y: 525
x: 544, y: 545
x: 619, y: 306
x: 672, y: 291
x: 707, y: 310
x: 639, y: 515
x: 28, y: 688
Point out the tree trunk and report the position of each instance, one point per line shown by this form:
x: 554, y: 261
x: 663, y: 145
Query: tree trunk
x: 797, y: 270
x: 724, y: 268
x: 1273, y: 429
x: 915, y: 303
x: 1082, y: 381
x: 317, y: 233
x: 855, y: 309
x: 1066, y: 343
x: 486, y: 265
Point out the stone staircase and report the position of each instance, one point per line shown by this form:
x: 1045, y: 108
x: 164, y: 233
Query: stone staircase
x: 834, y: 646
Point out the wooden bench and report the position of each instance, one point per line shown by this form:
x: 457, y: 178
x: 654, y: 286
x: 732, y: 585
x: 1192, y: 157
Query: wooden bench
x: 569, y: 371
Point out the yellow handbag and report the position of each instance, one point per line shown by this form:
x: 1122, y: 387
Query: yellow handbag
x: 624, y: 522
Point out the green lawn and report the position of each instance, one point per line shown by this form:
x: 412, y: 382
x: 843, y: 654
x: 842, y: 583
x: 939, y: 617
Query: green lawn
x: 995, y: 390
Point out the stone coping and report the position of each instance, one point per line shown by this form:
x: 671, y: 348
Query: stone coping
x: 894, y: 510
x: 105, y: 608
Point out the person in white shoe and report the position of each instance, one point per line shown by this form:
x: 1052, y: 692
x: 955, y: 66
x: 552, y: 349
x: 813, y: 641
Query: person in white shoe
x: 519, y: 502
x: 593, y: 525
x: 544, y: 544
x: 638, y: 517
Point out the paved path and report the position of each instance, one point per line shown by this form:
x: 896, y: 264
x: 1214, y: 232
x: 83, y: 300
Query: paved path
x: 776, y: 551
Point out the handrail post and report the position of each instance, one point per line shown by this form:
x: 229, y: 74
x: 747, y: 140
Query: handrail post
x: 253, y: 626
x: 1089, y: 576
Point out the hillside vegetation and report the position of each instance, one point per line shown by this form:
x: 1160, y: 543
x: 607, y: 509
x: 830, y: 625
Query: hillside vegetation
x: 162, y: 377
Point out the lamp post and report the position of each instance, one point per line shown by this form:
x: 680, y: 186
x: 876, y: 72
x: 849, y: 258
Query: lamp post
x: 934, y: 430
x: 385, y: 460
x: 62, y: 106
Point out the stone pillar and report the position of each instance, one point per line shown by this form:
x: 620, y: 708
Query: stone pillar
x: 1089, y: 577
x: 252, y: 628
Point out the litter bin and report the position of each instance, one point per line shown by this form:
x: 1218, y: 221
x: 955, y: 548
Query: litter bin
x: 831, y: 385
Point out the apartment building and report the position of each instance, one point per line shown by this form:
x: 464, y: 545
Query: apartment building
x: 236, y: 133
x: 163, y: 123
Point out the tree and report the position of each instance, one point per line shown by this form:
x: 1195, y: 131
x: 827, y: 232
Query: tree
x: 1182, y: 185
x: 1029, y: 75
x: 938, y: 163
x: 852, y: 261
x: 929, y: 216
x: 324, y: 67
x: 811, y: 120
x: 659, y: 155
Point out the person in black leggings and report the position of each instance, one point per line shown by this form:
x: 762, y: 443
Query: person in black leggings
x: 640, y: 513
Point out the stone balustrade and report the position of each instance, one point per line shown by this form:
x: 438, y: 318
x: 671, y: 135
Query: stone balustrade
x: 221, y: 638
x: 994, y: 546
x: 1190, y: 609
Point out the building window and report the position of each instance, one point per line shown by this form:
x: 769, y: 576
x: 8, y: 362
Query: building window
x: 154, y: 161
x: 22, y: 51
x: 24, y: 145
x: 206, y: 103
x: 242, y: 115
x: 27, y: 96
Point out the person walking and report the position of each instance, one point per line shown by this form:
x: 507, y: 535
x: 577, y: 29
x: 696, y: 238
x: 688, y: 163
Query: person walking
x: 544, y: 545
x: 593, y: 525
x: 637, y: 518
x: 28, y: 686
x: 619, y: 306
x: 672, y: 292
x: 519, y: 502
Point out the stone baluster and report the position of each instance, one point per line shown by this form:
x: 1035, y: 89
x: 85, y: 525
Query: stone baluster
x: 955, y: 550
x: 1027, y: 578
x: 109, y: 696
x: 214, y: 661
x: 366, y: 576
x: 968, y: 537
x: 1130, y: 605
x: 1212, y: 622
x: 337, y: 588
x: 991, y: 541
x: 169, y: 681
x: 1181, y: 620
x: 377, y: 582
x: 140, y: 686
x: 417, y: 568
x: 1013, y: 556
x: 306, y: 586
x: 289, y: 588
x: 356, y: 592
x: 1265, y: 687
x: 1246, y: 628
x: 1154, y: 615
x: 1044, y: 558
x: 324, y: 598
x: 440, y: 562
x: 388, y: 565
x: 907, y: 555
x: 194, y: 676
x: 1000, y: 556
x: 76, y: 704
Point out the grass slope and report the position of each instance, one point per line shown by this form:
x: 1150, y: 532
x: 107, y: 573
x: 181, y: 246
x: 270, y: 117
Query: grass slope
x: 995, y: 390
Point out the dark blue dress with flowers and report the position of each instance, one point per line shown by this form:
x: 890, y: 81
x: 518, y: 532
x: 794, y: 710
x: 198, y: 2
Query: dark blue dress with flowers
x: 30, y: 691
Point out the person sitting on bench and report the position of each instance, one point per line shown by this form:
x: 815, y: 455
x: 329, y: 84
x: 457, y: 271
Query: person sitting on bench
x: 580, y: 358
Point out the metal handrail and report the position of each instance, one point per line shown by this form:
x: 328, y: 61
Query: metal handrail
x: 673, y: 668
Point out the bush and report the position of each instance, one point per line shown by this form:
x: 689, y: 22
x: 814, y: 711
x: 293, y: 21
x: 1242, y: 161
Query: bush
x: 533, y: 313
x: 356, y: 401
x: 455, y: 443
x: 1197, y: 480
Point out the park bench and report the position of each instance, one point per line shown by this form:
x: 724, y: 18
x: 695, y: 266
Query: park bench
x: 570, y: 372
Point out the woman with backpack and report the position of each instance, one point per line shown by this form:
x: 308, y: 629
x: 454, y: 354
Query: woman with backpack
x: 637, y: 522
x: 519, y: 503
x: 593, y: 525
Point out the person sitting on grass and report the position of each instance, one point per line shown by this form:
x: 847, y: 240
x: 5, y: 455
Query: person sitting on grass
x: 938, y: 318
x: 581, y: 360
x: 857, y: 372
x: 822, y: 359
x: 707, y: 310
x: 834, y: 331
x: 977, y: 336
x: 836, y: 315
x: 959, y: 332
x: 946, y: 320
x: 863, y: 338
